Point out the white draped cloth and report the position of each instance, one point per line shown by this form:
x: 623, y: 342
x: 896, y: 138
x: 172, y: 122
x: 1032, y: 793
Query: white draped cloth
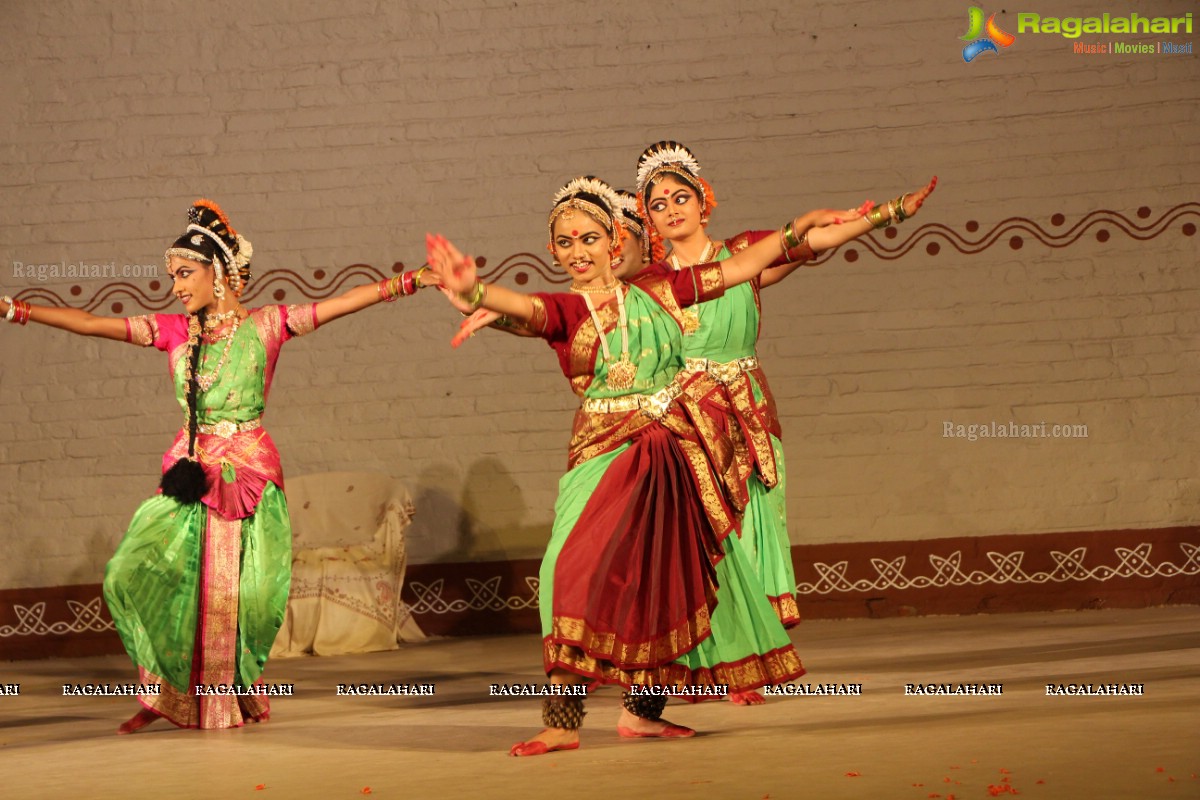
x: 348, y: 565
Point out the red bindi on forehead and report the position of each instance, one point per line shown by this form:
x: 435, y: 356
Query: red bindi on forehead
x: 574, y: 233
x: 666, y: 192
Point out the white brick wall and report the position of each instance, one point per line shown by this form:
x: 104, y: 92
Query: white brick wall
x: 339, y: 134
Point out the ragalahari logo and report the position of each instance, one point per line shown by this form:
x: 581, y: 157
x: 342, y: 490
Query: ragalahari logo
x: 980, y: 43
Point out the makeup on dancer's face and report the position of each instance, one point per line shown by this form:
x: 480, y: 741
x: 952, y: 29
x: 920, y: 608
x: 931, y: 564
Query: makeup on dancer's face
x: 581, y: 245
x: 674, y: 208
x: 630, y: 262
x: 191, y: 282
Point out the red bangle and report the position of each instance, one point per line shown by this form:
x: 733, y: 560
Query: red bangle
x: 408, y: 286
x: 389, y: 289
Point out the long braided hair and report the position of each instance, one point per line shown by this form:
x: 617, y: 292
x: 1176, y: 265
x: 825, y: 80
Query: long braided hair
x: 185, y: 480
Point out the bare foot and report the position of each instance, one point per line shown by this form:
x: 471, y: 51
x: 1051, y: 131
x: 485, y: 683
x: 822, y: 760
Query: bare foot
x: 138, y: 721
x: 547, y: 741
x: 631, y: 726
x: 747, y: 698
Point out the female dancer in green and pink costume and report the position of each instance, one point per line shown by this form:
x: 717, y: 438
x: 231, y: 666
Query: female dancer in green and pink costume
x: 199, y: 584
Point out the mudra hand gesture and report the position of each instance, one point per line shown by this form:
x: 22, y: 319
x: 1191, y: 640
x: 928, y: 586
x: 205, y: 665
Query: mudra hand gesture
x: 824, y: 217
x: 903, y: 207
x: 454, y: 271
x: 898, y: 210
x: 475, y: 322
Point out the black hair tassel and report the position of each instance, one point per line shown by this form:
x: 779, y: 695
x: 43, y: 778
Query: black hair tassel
x: 185, y: 481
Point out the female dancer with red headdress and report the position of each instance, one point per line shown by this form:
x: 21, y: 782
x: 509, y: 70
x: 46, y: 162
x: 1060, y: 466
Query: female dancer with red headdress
x: 199, y: 584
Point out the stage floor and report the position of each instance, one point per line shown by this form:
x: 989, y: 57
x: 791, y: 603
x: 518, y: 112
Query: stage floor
x: 880, y: 744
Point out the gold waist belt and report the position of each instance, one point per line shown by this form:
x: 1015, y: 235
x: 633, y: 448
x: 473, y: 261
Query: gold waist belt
x: 726, y: 372
x: 654, y: 405
x: 227, y: 428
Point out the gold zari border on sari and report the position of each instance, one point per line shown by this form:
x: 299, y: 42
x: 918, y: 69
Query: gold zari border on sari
x: 143, y: 330
x: 753, y: 672
x: 681, y: 638
x: 786, y: 609
x: 756, y: 420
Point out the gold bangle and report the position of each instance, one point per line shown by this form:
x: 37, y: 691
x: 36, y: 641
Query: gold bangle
x: 790, y: 234
x: 417, y: 278
x: 900, y: 213
x: 478, y: 292
x: 793, y: 256
x: 877, y: 219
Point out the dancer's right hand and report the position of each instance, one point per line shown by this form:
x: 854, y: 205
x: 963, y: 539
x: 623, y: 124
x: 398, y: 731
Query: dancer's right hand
x: 914, y: 200
x: 455, y: 271
x: 823, y: 217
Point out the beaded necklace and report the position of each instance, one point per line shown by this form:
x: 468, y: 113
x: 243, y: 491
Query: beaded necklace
x: 621, y: 374
x: 691, y: 316
x: 206, y: 382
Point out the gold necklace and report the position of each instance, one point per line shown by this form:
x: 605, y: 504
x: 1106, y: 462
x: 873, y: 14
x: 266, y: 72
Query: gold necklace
x: 581, y: 289
x: 206, y: 382
x: 620, y: 374
x: 216, y: 320
x: 691, y: 316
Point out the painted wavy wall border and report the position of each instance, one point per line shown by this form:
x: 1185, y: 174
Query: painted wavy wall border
x: 283, y: 285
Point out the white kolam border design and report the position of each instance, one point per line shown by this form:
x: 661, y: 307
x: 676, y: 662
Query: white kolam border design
x: 947, y: 571
x: 31, y: 620
x: 485, y: 596
x: 1006, y: 569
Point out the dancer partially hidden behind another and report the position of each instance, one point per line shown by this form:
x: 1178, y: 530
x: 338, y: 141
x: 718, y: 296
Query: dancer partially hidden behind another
x: 722, y: 371
x: 199, y: 584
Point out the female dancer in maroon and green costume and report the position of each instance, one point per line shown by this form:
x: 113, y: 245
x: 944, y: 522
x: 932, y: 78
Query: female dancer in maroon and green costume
x: 637, y: 576
x: 722, y: 369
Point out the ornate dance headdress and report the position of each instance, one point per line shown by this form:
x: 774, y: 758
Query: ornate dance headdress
x: 210, y: 239
x: 595, y: 198
x: 627, y: 202
x: 669, y: 157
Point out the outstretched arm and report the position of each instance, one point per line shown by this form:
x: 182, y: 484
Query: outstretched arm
x: 827, y: 229
x: 72, y: 320
x: 457, y: 273
x: 365, y: 296
x: 744, y: 266
x: 819, y: 218
x: 830, y: 236
x: 483, y: 318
